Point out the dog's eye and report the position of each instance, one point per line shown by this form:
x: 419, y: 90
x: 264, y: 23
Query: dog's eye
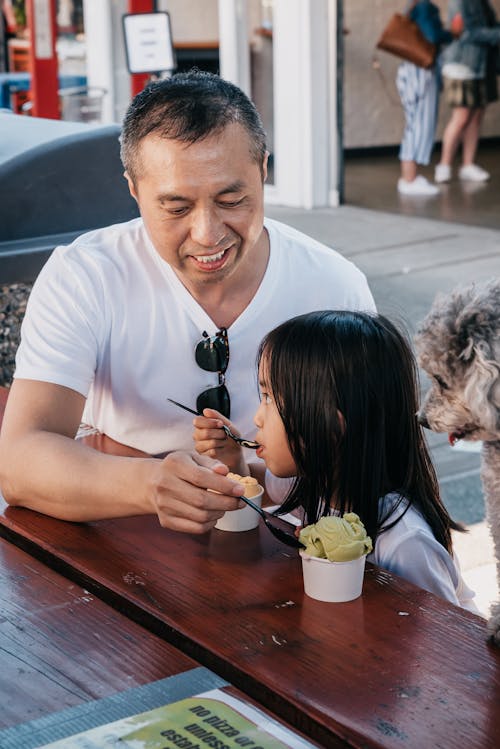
x: 442, y: 384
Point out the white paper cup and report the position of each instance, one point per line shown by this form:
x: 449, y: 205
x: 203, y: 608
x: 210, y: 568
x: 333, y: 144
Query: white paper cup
x: 332, y: 581
x: 242, y: 520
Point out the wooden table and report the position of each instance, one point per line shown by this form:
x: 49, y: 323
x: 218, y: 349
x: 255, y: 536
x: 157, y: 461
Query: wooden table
x: 397, y: 667
x: 61, y: 646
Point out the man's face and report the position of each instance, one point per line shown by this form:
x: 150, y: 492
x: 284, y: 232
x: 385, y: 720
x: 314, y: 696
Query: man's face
x: 202, y: 204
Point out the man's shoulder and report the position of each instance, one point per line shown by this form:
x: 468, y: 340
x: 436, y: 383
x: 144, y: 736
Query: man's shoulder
x: 107, y: 236
x: 284, y: 236
x: 305, y: 265
x: 298, y: 249
x: 116, y: 244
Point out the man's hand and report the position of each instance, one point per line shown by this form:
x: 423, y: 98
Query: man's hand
x: 190, y: 492
x: 72, y: 481
x: 210, y: 439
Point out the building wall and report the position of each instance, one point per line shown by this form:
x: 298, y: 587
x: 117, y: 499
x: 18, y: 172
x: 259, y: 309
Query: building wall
x: 198, y: 20
x: 372, y: 110
x: 192, y: 20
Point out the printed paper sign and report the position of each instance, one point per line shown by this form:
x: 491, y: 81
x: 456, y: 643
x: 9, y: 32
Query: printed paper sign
x: 212, y: 720
x: 148, y: 42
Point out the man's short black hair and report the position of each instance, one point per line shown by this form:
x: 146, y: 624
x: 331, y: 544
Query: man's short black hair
x: 188, y: 107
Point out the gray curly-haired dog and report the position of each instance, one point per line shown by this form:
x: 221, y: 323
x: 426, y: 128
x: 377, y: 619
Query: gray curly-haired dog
x: 458, y: 345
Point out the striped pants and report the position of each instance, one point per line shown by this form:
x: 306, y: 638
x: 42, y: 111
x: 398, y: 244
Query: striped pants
x: 418, y: 89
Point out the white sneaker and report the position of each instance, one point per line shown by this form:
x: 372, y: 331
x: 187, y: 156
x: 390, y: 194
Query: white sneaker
x: 473, y: 173
x: 442, y: 173
x: 418, y: 186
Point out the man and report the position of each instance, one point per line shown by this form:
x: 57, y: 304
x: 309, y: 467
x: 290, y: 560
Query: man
x: 172, y: 305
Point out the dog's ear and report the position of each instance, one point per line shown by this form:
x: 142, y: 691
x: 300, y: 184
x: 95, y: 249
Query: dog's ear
x: 465, y: 346
x: 477, y: 324
x: 477, y: 336
x: 467, y: 335
x: 470, y: 339
x: 482, y: 391
x: 494, y: 398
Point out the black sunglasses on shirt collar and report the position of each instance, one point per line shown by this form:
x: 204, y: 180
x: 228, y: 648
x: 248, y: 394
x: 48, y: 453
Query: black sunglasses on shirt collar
x: 212, y: 355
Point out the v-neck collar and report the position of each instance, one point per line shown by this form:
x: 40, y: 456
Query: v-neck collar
x: 192, y: 307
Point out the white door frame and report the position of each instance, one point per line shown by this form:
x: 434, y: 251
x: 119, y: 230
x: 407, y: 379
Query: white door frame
x: 307, y: 102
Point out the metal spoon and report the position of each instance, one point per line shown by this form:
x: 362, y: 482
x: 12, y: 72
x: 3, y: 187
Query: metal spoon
x: 240, y: 440
x: 287, y: 538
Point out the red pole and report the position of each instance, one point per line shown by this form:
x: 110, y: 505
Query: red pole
x: 41, y: 15
x: 139, y: 80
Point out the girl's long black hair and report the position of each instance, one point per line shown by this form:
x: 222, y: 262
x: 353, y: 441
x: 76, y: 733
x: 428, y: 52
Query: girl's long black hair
x: 346, y: 387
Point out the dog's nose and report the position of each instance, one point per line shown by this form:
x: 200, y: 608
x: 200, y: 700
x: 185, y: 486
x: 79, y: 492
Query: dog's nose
x: 422, y: 420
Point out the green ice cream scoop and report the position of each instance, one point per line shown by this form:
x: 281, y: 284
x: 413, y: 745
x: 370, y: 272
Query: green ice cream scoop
x: 338, y: 539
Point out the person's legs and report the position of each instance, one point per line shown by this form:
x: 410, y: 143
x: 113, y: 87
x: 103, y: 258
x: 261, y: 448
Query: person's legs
x: 471, y: 136
x: 469, y: 170
x: 408, y: 170
x: 406, y: 83
x: 454, y: 132
x: 418, y: 91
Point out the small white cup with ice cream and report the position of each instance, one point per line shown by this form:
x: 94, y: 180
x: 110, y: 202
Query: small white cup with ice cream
x: 245, y: 519
x: 333, y: 562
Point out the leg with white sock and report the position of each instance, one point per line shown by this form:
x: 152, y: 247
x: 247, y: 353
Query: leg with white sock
x: 470, y: 170
x: 452, y: 136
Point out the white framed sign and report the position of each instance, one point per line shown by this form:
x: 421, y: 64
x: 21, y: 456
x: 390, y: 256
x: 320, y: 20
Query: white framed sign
x: 148, y: 42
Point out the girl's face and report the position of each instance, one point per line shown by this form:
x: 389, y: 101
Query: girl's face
x: 271, y: 435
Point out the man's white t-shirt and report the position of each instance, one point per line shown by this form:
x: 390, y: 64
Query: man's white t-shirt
x: 109, y: 318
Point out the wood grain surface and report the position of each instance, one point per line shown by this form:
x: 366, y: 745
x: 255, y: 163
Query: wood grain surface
x: 397, y: 667
x: 61, y: 646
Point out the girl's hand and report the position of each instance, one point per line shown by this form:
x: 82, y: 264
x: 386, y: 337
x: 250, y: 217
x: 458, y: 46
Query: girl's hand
x: 210, y: 439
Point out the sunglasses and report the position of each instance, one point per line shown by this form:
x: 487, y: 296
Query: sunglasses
x: 212, y: 355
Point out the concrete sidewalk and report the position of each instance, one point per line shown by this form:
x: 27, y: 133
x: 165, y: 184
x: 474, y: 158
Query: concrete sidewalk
x: 407, y: 261
x: 475, y: 553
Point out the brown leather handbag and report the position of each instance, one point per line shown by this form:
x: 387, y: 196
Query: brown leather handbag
x: 403, y: 38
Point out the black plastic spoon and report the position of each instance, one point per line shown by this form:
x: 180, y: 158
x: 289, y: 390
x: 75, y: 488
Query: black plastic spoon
x: 285, y: 536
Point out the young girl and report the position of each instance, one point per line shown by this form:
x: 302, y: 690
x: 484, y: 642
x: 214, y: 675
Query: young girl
x: 338, y: 410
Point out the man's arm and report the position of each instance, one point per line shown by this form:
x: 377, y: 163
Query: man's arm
x: 43, y: 468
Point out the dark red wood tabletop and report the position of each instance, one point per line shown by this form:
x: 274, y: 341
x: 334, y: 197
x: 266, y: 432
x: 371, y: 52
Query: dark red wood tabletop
x: 397, y: 667
x: 61, y: 646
